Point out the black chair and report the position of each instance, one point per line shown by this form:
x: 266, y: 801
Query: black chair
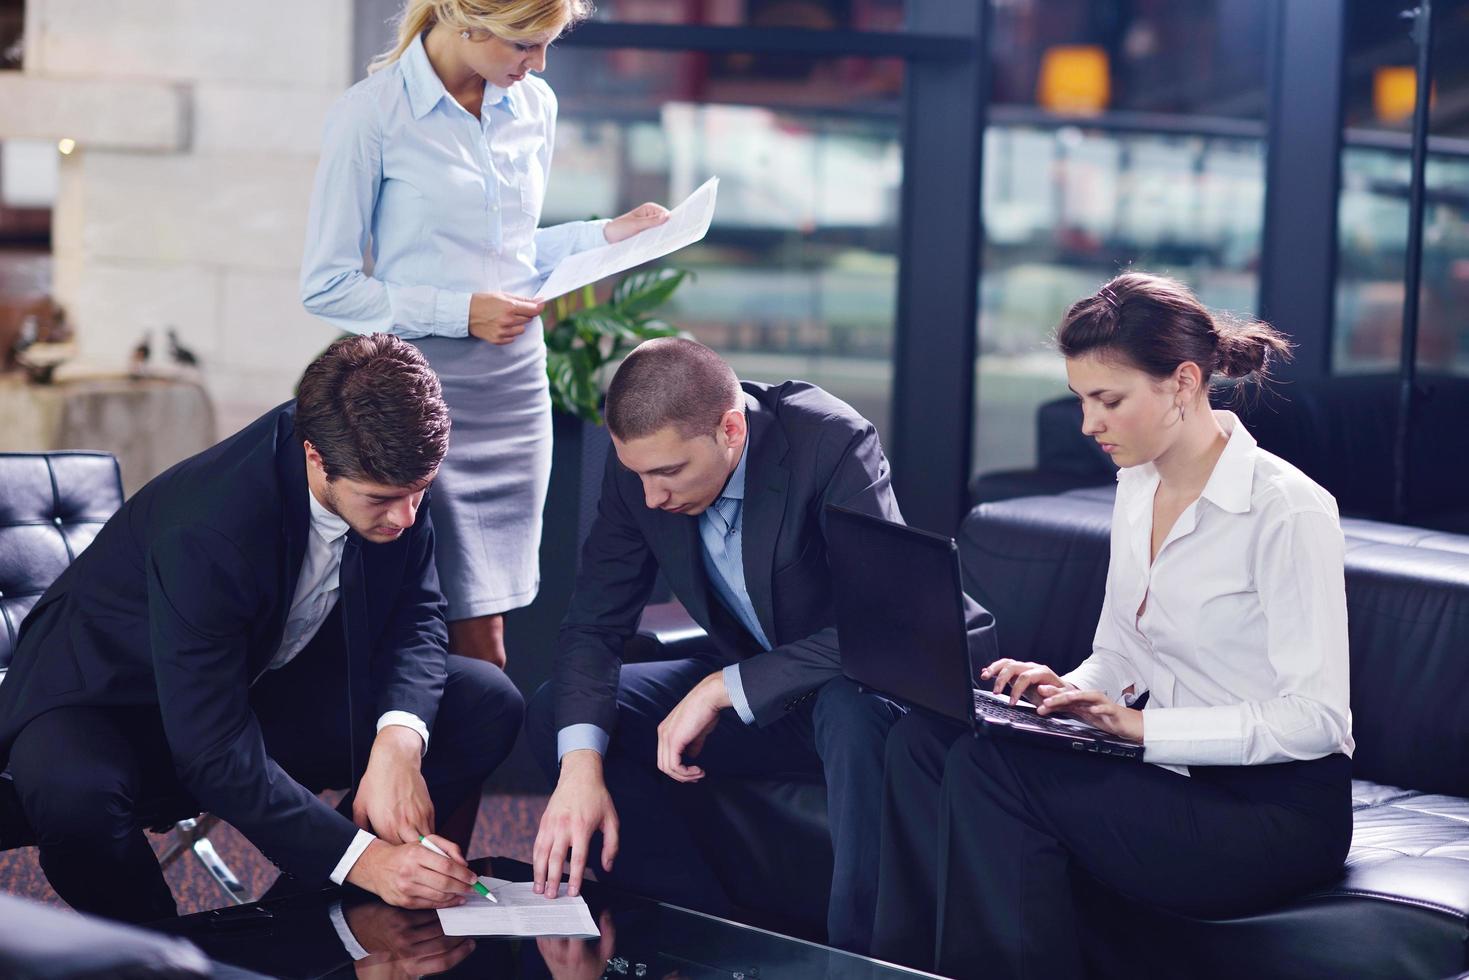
x: 51, y: 507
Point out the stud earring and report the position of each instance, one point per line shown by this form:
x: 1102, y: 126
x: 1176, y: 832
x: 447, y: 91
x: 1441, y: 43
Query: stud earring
x: 464, y: 34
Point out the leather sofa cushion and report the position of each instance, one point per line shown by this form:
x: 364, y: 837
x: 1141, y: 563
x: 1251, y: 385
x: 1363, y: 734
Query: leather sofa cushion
x: 1401, y: 909
x: 51, y: 507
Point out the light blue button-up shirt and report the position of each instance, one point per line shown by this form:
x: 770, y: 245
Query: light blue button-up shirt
x: 448, y: 203
x: 721, y: 531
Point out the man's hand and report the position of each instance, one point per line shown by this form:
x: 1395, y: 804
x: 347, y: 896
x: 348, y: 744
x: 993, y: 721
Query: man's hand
x: 580, y: 959
x: 640, y: 218
x: 499, y: 317
x: 688, y: 724
x: 411, y: 876
x: 392, y: 800
x: 1094, y: 708
x: 1022, y: 676
x: 579, y: 807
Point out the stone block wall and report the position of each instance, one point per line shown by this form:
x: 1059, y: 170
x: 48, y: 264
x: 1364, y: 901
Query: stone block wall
x: 197, y: 125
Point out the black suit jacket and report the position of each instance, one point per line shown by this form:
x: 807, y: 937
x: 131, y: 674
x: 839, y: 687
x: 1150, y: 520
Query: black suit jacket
x: 181, y: 602
x: 806, y: 449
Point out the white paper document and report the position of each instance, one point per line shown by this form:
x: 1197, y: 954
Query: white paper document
x: 520, y: 912
x: 686, y: 224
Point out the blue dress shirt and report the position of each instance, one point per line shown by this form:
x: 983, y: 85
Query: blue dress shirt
x: 449, y: 204
x: 721, y: 531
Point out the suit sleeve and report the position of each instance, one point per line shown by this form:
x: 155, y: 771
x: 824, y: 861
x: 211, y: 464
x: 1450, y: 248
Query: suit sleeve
x: 612, y: 587
x: 778, y: 681
x: 202, y: 597
x: 410, y: 663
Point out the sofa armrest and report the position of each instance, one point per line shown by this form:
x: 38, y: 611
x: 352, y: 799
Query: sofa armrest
x: 665, y: 632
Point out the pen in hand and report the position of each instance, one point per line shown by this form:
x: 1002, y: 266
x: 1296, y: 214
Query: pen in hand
x: 479, y: 886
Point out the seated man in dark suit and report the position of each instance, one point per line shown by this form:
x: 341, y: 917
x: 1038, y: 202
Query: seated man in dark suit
x: 722, y: 488
x: 259, y: 623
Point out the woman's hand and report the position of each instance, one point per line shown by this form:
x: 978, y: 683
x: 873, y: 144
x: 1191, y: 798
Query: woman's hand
x: 1022, y: 677
x: 640, y: 218
x: 1094, y: 708
x: 499, y: 317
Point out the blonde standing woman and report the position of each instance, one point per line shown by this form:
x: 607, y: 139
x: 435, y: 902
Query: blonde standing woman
x: 435, y: 166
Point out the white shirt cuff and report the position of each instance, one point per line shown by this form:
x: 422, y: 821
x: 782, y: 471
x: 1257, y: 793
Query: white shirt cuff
x: 344, y: 932
x: 737, y: 699
x: 354, y: 851
x: 408, y: 720
x: 583, y: 736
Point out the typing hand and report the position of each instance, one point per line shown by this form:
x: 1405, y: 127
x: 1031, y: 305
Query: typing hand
x: 499, y: 317
x: 411, y: 876
x: 579, y: 807
x: 1094, y: 708
x: 392, y: 800
x: 640, y: 218
x: 1021, y: 676
x: 688, y: 724
x: 580, y: 959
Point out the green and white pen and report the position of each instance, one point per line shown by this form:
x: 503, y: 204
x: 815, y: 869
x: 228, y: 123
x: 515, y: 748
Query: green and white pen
x: 479, y: 886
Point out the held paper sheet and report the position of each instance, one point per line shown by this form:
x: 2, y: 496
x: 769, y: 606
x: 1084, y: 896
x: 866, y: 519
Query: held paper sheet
x: 521, y: 912
x: 686, y: 224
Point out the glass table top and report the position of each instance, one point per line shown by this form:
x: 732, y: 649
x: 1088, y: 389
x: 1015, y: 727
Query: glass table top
x: 301, y: 936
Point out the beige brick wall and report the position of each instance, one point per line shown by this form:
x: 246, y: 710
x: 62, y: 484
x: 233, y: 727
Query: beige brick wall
x: 197, y: 124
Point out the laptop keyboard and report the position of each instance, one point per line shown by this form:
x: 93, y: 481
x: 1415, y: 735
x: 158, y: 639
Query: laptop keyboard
x: 998, y: 706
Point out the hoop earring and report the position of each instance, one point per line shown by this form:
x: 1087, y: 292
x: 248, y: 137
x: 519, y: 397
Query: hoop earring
x: 1180, y: 413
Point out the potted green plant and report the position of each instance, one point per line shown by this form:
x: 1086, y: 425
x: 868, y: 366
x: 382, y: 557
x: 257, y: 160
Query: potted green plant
x: 587, y: 335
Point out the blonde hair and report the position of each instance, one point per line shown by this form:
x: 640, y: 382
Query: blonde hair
x: 510, y: 20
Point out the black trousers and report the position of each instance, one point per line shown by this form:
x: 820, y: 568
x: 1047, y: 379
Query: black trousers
x: 839, y: 737
x: 981, y: 837
x: 88, y: 777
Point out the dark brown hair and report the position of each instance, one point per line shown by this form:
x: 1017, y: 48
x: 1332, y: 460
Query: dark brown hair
x: 1155, y: 323
x: 372, y: 407
x: 671, y: 381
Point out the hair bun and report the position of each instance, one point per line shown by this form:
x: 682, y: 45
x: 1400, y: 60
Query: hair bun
x: 1246, y: 348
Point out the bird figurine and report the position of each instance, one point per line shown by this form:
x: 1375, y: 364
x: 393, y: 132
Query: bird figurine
x: 138, y: 362
x: 181, y: 355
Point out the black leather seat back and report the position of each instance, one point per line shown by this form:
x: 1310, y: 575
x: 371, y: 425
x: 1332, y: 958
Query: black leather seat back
x: 1039, y: 564
x: 51, y: 507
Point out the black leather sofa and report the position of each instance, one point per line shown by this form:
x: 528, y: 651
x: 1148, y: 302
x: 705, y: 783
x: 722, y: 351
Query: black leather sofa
x: 1401, y: 908
x: 1339, y: 430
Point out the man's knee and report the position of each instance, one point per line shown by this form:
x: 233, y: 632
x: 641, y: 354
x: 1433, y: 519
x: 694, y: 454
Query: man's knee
x: 64, y: 799
x: 491, y: 698
x: 846, y: 714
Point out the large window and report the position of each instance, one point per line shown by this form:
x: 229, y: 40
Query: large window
x: 797, y: 276
x: 1380, y: 89
x: 1121, y: 135
x: 870, y: 15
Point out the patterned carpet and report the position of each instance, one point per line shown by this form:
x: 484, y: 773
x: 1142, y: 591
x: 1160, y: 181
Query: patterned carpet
x: 506, y: 826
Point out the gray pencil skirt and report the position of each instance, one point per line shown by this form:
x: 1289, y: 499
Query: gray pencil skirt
x: 491, y: 489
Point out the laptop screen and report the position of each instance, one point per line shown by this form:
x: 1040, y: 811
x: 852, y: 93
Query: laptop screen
x: 900, y: 611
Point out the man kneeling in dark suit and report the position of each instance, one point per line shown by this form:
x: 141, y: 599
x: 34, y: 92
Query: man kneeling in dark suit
x: 722, y: 487
x: 259, y: 623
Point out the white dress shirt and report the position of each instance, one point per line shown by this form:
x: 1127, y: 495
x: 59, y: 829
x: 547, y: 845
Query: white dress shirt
x: 1242, y: 645
x: 317, y: 591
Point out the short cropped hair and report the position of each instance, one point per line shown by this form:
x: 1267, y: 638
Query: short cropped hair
x: 372, y: 407
x: 671, y: 381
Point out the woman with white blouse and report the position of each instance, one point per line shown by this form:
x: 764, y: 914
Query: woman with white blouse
x: 434, y: 167
x: 1225, y: 605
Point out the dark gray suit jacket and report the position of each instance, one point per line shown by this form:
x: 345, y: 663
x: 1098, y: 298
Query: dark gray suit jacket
x: 806, y: 449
